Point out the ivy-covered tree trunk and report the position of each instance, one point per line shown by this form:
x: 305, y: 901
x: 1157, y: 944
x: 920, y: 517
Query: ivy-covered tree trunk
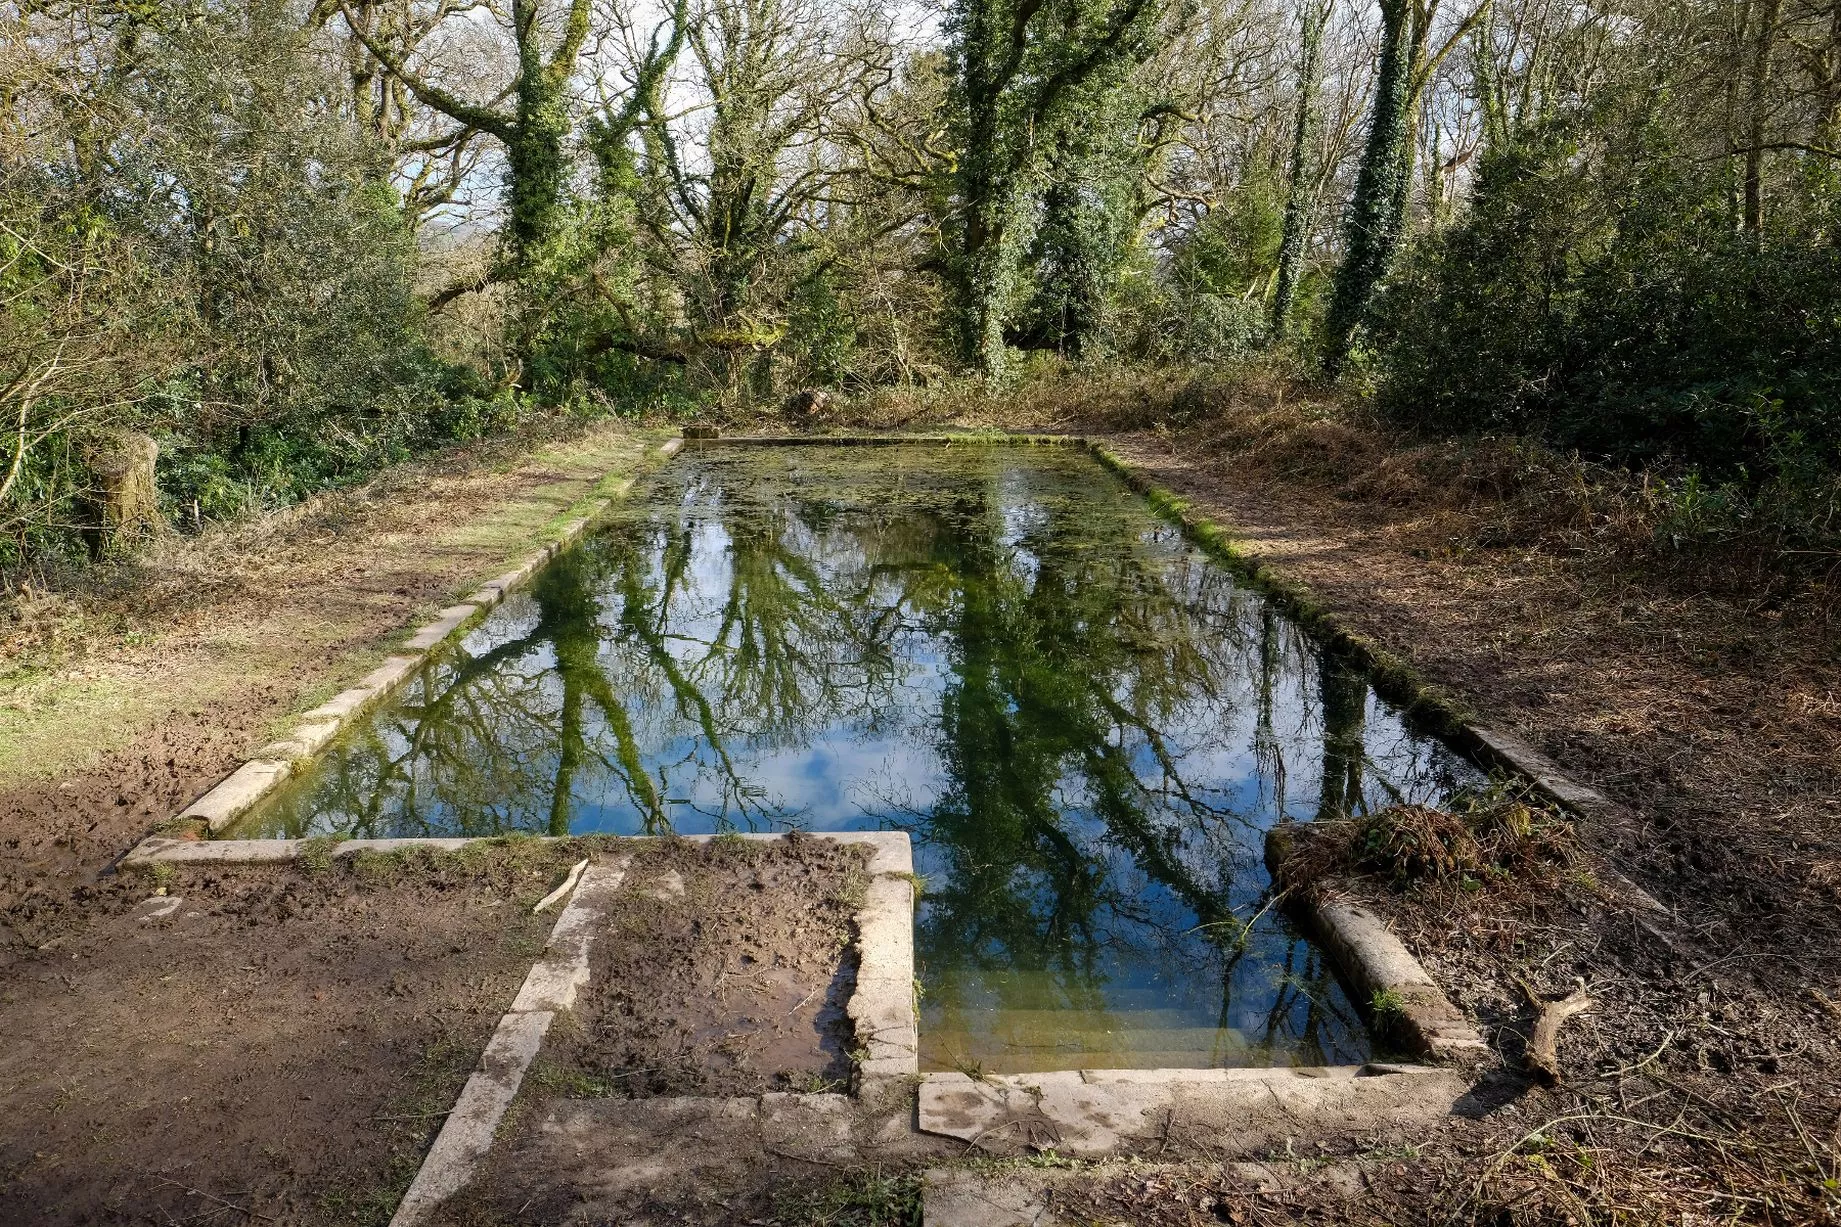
x: 1376, y: 213
x: 1759, y: 107
x: 1077, y: 260
x: 986, y: 189
x: 1300, y: 200
x: 1018, y: 65
x: 1088, y: 220
x: 534, y: 148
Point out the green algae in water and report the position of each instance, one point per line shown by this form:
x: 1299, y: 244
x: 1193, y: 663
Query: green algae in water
x: 1085, y: 725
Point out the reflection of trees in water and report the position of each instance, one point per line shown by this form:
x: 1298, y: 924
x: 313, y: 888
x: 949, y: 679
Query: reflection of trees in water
x: 495, y: 741
x: 1066, y: 675
x: 737, y: 636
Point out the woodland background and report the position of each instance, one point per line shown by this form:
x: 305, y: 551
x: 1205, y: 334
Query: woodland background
x: 289, y: 243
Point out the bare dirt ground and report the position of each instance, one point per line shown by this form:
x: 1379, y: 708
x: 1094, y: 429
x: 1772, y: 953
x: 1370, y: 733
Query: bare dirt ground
x: 725, y: 970
x: 279, y: 1045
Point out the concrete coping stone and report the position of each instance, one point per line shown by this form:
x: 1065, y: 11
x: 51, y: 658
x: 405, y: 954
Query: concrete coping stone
x: 232, y: 796
x: 1520, y: 756
x: 891, y: 853
x: 1256, y: 1075
x: 1083, y: 1115
x: 1380, y: 966
x: 450, y: 620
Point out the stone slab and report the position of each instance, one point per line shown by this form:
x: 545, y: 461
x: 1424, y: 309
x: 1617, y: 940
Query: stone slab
x: 1546, y: 775
x: 242, y: 788
x: 1379, y: 963
x: 960, y: 1197
x: 304, y: 740
x: 342, y: 706
x: 157, y: 908
x: 881, y: 1007
x: 446, y: 623
x: 1076, y: 1113
x: 562, y: 972
x: 392, y: 673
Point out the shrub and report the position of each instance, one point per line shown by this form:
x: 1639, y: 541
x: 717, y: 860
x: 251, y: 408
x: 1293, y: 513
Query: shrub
x: 1597, y: 294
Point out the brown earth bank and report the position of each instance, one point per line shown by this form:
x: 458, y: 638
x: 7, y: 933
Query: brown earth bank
x: 257, y: 1044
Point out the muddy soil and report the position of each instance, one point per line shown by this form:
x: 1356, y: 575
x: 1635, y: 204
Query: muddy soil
x: 59, y: 838
x: 256, y: 1043
x: 725, y: 969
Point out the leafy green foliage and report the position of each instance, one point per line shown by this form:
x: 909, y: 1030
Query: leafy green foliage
x: 1597, y: 294
x: 821, y: 330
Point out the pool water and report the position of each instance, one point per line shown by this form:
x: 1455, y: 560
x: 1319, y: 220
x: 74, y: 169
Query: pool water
x: 1084, y: 723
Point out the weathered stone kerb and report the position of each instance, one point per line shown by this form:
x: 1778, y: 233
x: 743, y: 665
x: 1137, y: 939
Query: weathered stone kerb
x: 1402, y: 994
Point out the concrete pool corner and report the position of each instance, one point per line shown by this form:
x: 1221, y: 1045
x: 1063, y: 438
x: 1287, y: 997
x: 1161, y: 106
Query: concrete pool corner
x: 881, y: 1007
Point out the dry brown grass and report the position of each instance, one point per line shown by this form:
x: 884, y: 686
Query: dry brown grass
x: 1271, y: 423
x: 1490, y: 837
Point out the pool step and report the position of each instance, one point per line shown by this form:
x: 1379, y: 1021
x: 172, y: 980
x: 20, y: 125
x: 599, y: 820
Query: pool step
x: 1018, y: 1024
x: 1152, y: 1048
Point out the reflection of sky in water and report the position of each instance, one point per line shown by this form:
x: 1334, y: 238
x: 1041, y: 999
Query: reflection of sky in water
x: 1086, y: 727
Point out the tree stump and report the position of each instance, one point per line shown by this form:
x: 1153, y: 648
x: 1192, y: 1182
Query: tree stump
x: 128, y: 501
x: 808, y: 404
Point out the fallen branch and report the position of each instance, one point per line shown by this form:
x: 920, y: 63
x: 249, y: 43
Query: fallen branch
x: 212, y: 1197
x: 1543, y: 1059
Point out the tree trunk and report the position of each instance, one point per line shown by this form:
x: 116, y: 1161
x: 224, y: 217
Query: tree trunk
x: 1300, y: 201
x: 1759, y: 104
x: 987, y: 268
x: 1373, y: 228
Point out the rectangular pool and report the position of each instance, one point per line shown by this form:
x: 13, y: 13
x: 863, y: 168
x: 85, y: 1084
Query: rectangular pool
x: 1084, y: 723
